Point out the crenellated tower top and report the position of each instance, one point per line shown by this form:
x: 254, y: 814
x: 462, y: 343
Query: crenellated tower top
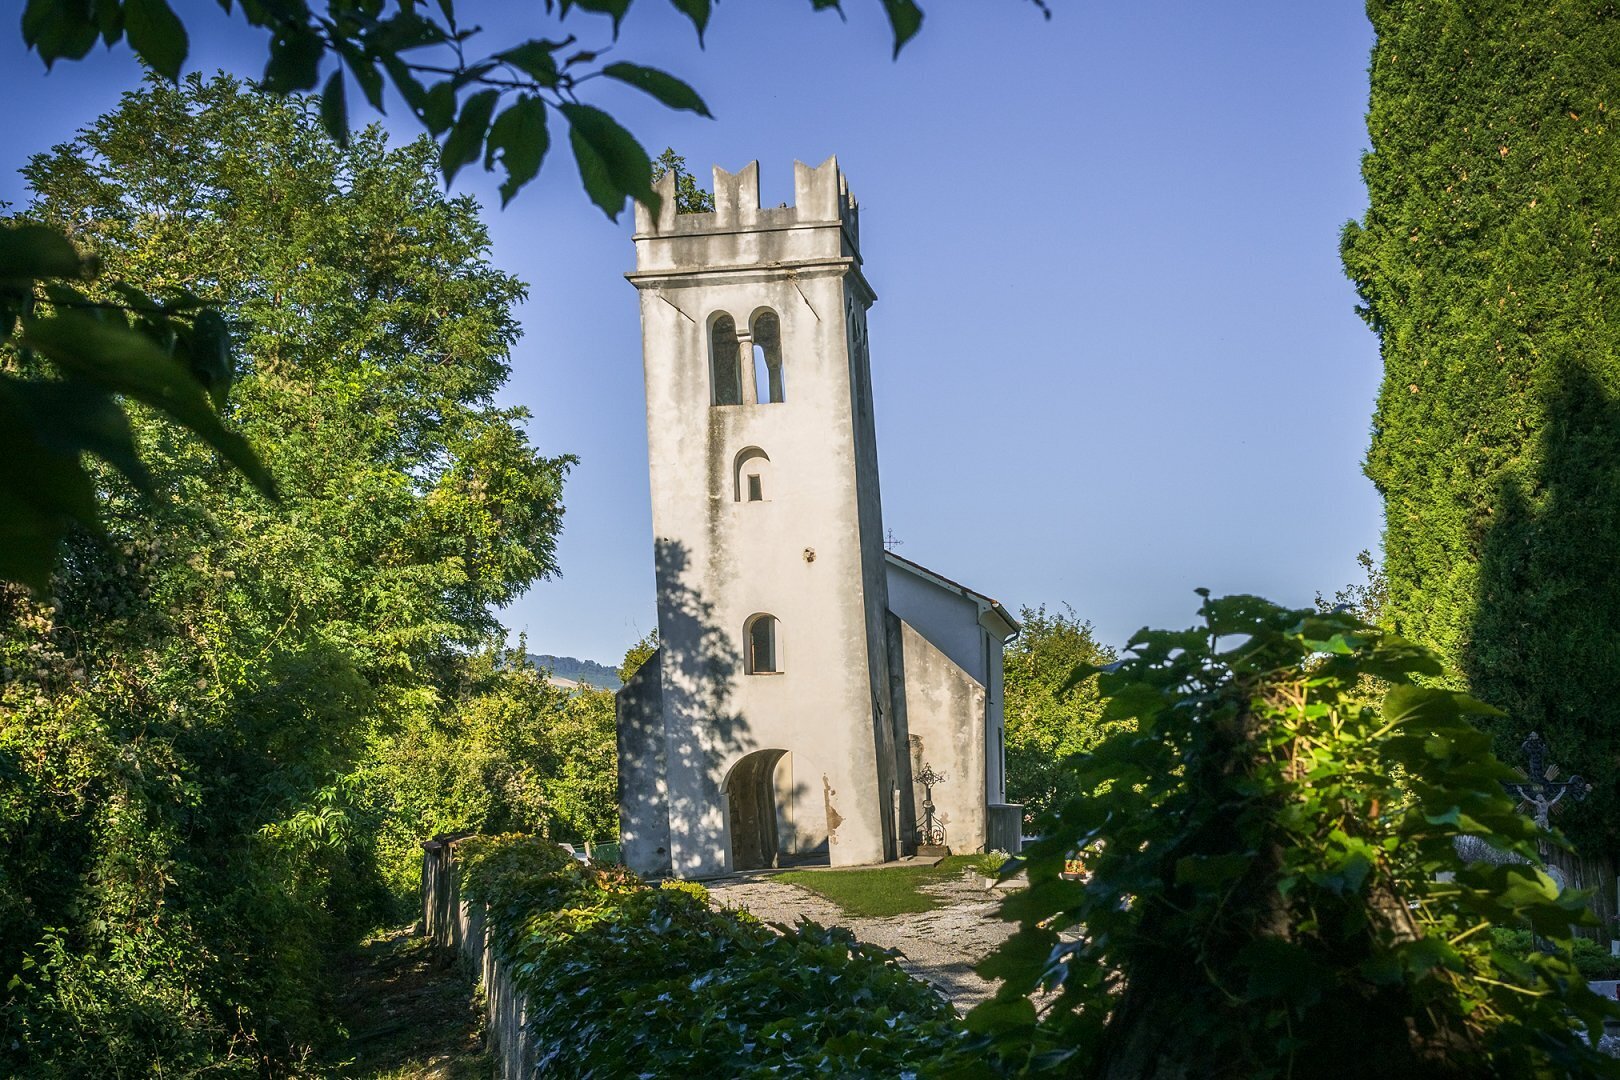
x: 822, y: 224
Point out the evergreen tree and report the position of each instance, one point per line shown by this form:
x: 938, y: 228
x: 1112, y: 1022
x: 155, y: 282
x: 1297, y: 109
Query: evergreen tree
x: 1487, y: 261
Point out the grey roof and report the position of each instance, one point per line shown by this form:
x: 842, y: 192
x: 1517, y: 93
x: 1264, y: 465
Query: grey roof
x: 986, y: 603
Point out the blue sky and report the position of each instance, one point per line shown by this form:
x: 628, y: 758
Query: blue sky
x: 1114, y: 355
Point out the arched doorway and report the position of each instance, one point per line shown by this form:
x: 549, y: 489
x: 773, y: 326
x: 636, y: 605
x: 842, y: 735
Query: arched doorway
x: 751, y: 799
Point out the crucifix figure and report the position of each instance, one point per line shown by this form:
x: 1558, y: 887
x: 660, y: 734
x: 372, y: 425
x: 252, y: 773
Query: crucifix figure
x: 1541, y: 789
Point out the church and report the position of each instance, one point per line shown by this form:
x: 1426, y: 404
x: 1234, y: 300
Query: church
x: 807, y: 681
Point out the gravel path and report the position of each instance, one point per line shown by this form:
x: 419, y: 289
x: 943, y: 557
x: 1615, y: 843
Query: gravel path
x: 941, y: 947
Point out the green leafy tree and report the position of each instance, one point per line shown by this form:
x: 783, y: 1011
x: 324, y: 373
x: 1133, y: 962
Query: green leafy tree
x: 1050, y: 718
x: 513, y: 753
x: 1487, y: 264
x: 1264, y: 896
x: 189, y: 724
x: 690, y: 198
x: 638, y: 654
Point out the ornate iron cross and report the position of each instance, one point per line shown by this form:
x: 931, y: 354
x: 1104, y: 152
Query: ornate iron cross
x: 1541, y: 791
x: 932, y: 830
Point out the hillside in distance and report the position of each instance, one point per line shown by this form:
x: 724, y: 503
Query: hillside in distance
x: 573, y: 669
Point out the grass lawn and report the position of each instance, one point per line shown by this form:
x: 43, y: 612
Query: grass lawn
x: 889, y: 890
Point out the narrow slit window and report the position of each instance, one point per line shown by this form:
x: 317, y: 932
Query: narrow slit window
x: 724, y: 376
x: 762, y: 645
x: 751, y: 475
x: 760, y: 374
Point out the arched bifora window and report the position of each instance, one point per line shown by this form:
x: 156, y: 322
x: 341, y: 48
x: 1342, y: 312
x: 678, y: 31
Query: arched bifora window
x: 766, y: 331
x: 725, y: 383
x: 752, y: 476
x: 759, y: 635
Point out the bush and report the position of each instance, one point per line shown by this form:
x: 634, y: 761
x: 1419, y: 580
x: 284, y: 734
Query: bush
x: 1264, y: 849
x: 1590, y: 958
x: 626, y: 980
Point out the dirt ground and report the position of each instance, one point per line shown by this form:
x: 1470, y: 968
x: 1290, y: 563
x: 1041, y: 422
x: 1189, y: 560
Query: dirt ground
x: 410, y: 1015
x: 941, y: 947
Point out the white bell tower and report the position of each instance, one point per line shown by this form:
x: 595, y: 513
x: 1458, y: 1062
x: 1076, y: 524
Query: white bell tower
x: 763, y: 729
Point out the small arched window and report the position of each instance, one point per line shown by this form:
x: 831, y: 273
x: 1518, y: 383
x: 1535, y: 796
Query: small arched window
x: 752, y: 476
x: 767, y: 334
x: 724, y: 377
x: 763, y: 654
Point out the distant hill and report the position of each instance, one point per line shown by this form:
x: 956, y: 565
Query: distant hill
x: 571, y: 669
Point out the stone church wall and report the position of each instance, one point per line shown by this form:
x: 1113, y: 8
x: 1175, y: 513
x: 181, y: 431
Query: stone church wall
x: 944, y: 719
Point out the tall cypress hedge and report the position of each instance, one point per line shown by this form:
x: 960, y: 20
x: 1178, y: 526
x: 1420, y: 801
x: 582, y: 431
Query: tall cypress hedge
x: 1487, y: 262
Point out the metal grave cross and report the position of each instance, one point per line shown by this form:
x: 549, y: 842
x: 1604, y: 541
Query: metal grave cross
x: 1541, y: 790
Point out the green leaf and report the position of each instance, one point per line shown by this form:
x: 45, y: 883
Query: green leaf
x: 467, y: 136
x: 697, y: 11
x: 30, y: 252
x: 44, y: 488
x: 534, y: 59
x: 156, y: 35
x: 210, y: 354
x: 366, y: 74
x: 665, y: 87
x: 1211, y: 871
x: 905, y: 18
x: 295, y: 60
x: 54, y: 30
x: 519, y: 136
x: 615, y: 8
x: 335, y: 108
x: 611, y: 163
x: 123, y: 361
x: 998, y: 1015
x: 1424, y: 706
x: 438, y: 108
x: 109, y: 21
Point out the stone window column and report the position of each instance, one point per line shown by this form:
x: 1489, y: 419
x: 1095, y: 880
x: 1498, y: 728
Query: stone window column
x: 745, y: 367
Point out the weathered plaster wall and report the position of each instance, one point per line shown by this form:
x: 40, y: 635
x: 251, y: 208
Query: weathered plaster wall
x: 809, y: 553
x: 944, y: 709
x: 956, y: 625
x: 948, y: 619
x: 643, y: 802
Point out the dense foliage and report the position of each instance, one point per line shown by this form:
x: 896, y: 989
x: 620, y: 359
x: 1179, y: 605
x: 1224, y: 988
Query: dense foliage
x: 1264, y: 896
x: 1048, y: 719
x: 1487, y: 263
x: 626, y: 980
x: 224, y: 731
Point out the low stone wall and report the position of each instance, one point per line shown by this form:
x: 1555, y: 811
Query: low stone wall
x: 460, y: 927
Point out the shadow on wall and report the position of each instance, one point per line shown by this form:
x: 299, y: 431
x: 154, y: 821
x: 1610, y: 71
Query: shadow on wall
x: 1544, y: 643
x: 706, y: 733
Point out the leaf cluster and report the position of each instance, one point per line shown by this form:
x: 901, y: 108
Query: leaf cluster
x: 496, y: 107
x: 76, y: 355
x: 1272, y: 886
x: 1048, y: 718
x: 624, y: 979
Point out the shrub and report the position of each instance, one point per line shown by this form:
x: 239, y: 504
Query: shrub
x: 1264, y: 849
x: 1590, y: 958
x: 625, y: 980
